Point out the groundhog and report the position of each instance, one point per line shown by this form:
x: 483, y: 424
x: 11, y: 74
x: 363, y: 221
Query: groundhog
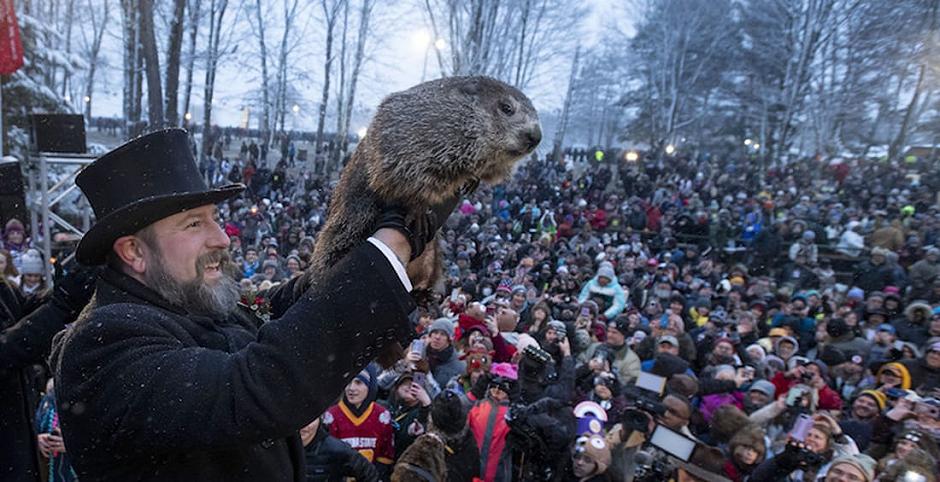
x: 426, y: 144
x: 423, y: 145
x: 423, y: 461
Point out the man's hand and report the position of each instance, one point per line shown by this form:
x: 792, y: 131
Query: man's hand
x: 565, y: 346
x: 420, y: 228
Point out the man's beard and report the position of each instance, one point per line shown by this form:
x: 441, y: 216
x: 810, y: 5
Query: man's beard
x: 196, y: 296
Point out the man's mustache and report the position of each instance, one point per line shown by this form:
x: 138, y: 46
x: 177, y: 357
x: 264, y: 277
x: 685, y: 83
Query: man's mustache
x: 220, y: 256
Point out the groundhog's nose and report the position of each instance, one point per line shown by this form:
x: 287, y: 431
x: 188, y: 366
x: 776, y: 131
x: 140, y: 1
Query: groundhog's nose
x: 533, y: 137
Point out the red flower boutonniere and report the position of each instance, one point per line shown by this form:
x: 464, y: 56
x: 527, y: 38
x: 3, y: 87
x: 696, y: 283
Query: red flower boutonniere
x: 256, y: 304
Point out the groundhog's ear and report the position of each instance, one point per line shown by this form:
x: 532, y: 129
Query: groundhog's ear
x: 470, y: 88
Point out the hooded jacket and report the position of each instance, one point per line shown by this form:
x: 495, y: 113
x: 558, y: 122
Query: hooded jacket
x: 613, y: 292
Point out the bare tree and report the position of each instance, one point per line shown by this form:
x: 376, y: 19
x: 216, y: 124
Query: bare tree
x: 258, y: 25
x: 216, y: 13
x: 290, y: 11
x: 132, y: 59
x: 173, y: 54
x: 331, y: 9
x: 365, y: 14
x: 194, y: 20
x: 566, y: 109
x: 98, y: 21
x: 148, y: 41
x: 506, y: 40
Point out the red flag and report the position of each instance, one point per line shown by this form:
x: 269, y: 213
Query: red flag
x: 11, y: 47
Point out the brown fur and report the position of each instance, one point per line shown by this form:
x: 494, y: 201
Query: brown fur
x: 423, y: 145
x: 427, y: 452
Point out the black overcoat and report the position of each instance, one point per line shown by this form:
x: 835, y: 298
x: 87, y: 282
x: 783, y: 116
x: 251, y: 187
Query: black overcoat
x: 28, y: 324
x: 149, y: 392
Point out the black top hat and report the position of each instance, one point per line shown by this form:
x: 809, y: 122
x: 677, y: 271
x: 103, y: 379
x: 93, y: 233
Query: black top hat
x: 139, y: 183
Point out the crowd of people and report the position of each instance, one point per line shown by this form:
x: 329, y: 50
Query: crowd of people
x: 789, y: 321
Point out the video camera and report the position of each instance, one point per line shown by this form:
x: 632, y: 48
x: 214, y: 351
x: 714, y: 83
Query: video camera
x: 657, y: 465
x: 645, y: 402
x: 541, y: 433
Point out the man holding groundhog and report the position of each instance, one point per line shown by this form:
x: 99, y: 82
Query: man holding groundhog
x: 163, y: 377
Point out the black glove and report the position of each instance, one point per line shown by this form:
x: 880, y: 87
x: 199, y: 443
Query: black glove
x: 789, y: 460
x: 74, y: 285
x: 420, y: 228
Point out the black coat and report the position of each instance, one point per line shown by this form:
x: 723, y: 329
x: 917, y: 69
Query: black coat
x: 149, y: 392
x: 462, y: 457
x: 329, y: 459
x: 25, y: 341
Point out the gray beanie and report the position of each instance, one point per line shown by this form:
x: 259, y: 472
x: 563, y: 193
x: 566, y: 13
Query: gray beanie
x: 764, y: 387
x: 31, y: 263
x: 442, y: 324
x: 559, y: 327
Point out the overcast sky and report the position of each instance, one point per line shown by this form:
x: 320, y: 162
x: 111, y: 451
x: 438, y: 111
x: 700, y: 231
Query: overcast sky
x: 396, y: 63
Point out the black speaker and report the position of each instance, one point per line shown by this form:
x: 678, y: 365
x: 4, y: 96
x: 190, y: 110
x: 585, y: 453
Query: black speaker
x: 64, y: 133
x: 12, y: 199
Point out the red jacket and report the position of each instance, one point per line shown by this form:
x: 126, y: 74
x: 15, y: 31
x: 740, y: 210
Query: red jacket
x: 487, y: 421
x: 828, y: 398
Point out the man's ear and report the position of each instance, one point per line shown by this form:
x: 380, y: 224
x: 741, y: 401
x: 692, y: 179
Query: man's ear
x: 130, y: 249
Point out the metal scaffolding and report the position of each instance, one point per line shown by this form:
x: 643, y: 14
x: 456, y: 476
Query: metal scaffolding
x: 42, y: 200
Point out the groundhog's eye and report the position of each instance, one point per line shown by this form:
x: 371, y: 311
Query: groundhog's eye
x: 507, y: 108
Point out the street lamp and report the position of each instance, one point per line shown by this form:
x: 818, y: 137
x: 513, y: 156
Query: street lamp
x: 361, y: 133
x: 188, y: 116
x: 670, y: 149
x: 747, y: 142
x: 440, y: 44
x: 295, y: 108
x: 632, y: 156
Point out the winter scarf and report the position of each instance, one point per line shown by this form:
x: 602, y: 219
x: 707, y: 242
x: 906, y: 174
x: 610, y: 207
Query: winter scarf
x: 439, y: 357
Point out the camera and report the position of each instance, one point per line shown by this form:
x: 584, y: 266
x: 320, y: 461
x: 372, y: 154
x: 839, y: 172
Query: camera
x: 540, y: 433
x: 808, y: 458
x: 643, y: 407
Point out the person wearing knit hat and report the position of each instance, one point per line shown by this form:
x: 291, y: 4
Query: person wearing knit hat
x: 555, y: 331
x: 852, y: 468
x: 605, y: 289
x: 759, y: 394
x: 504, y: 289
x: 518, y: 301
x: 756, y: 352
x: 448, y: 419
x: 14, y: 238
x: 478, y: 361
x: 868, y: 404
x: 590, y: 458
x: 894, y: 375
x: 31, y: 281
x: 440, y: 353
